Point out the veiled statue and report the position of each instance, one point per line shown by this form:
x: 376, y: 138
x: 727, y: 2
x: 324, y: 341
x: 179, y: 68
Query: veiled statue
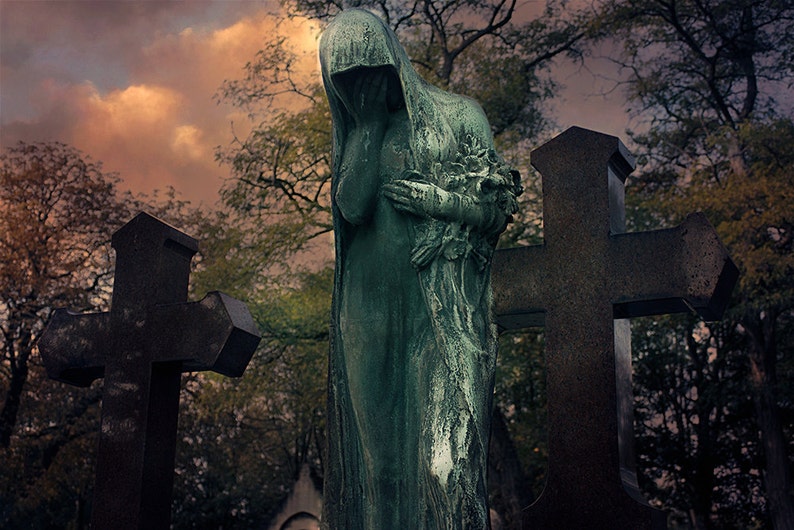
x: 419, y: 199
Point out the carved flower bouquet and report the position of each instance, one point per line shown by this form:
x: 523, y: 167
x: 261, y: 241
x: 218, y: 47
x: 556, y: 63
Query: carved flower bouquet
x: 478, y: 178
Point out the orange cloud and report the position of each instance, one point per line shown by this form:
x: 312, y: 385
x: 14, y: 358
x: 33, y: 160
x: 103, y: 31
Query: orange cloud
x: 138, y: 108
x: 187, y: 140
x: 174, y: 110
x: 161, y: 128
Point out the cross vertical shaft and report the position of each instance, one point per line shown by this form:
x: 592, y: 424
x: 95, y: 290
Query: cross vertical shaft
x: 583, y: 205
x: 141, y: 398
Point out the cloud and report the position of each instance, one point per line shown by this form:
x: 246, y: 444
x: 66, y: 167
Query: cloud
x: 153, y: 119
x: 187, y: 141
x: 54, y: 108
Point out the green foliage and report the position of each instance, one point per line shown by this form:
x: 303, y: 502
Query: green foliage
x: 243, y: 442
x: 710, y: 82
x: 283, y: 175
x: 281, y: 169
x: 751, y: 211
x: 753, y: 215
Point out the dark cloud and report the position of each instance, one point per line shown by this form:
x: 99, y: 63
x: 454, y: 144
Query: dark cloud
x: 85, y: 36
x: 128, y: 82
x: 15, y: 54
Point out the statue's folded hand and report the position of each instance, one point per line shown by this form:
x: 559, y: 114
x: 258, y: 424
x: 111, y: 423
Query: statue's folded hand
x: 429, y: 201
x: 421, y: 198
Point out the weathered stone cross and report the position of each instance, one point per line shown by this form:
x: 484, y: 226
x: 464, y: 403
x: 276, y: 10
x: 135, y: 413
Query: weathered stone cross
x: 583, y: 284
x: 141, y: 347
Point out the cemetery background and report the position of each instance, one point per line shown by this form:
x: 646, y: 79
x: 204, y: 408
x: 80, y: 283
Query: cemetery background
x: 714, y: 409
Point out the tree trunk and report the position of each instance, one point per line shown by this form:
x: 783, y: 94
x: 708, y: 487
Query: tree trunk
x: 703, y: 478
x: 19, y: 375
x: 777, y: 473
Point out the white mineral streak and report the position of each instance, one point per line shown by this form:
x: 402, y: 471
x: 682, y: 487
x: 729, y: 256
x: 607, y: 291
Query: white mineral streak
x: 122, y: 388
x: 441, y: 463
x: 450, y: 433
x: 367, y: 140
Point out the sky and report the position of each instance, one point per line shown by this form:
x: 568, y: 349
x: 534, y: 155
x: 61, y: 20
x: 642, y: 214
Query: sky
x: 130, y: 83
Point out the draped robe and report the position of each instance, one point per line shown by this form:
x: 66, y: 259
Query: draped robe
x: 413, y: 346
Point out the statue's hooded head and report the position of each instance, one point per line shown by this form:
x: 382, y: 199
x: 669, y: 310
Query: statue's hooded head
x: 357, y: 39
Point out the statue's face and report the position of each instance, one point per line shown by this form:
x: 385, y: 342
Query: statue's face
x: 354, y: 85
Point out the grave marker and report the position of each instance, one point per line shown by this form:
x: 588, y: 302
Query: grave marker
x: 141, y: 347
x: 583, y: 284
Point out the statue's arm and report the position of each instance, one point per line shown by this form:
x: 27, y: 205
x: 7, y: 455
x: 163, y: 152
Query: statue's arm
x: 359, y: 171
x: 428, y: 200
x: 359, y: 179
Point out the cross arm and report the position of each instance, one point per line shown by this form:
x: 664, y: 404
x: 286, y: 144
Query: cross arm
x: 672, y: 271
x: 222, y: 338
x: 216, y: 333
x: 72, y: 346
x: 517, y: 278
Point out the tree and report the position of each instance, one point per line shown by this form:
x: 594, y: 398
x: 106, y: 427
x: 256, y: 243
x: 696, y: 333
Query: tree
x: 243, y: 442
x: 59, y: 210
x: 281, y: 169
x: 705, y: 76
x: 240, y: 440
x: 54, y: 250
x: 696, y: 443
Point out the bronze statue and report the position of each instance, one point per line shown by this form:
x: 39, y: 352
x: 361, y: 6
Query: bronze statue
x: 419, y: 199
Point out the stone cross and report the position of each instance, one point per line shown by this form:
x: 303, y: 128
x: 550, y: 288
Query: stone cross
x: 141, y: 347
x: 582, y: 284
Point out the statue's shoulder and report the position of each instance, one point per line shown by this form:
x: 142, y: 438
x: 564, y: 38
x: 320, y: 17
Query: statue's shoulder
x: 466, y: 116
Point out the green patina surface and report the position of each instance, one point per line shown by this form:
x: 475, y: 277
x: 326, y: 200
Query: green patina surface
x: 419, y: 200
